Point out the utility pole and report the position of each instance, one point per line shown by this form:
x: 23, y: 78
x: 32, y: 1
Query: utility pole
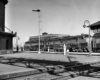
x: 85, y: 22
x: 38, y: 10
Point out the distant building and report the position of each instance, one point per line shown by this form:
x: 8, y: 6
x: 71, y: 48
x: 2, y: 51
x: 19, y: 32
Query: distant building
x: 6, y: 38
x: 55, y: 42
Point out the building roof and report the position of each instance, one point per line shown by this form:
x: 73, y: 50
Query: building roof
x: 96, y: 35
x: 54, y: 37
x: 95, y: 25
x: 7, y: 34
x: 4, y: 1
x: 48, y: 36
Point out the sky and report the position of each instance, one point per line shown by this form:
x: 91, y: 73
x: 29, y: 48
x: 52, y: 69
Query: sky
x: 57, y: 17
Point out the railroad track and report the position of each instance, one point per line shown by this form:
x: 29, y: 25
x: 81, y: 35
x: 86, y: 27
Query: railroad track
x: 71, y: 69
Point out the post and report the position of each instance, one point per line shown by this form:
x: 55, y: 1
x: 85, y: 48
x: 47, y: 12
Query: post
x: 16, y: 41
x: 78, y: 42
x: 89, y: 42
x: 87, y: 21
x: 38, y: 10
x: 48, y: 49
x: 64, y: 49
x: 39, y: 32
x: 17, y: 47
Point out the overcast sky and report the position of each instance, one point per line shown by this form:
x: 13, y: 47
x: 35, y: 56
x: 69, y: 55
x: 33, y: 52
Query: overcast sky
x: 58, y: 16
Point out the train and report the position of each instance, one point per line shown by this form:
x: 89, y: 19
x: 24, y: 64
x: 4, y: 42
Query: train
x: 79, y: 43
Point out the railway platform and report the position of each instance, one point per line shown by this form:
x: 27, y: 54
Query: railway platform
x: 73, y: 53
x: 72, y: 56
x: 17, y: 70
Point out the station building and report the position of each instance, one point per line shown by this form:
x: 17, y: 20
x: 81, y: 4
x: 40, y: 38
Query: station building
x: 6, y: 39
x: 95, y: 27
